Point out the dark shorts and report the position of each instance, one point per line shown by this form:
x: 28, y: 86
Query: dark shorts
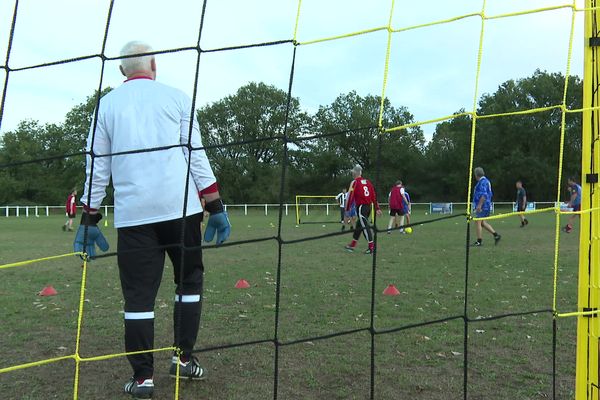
x: 72, y: 215
x: 141, y: 259
x: 396, y: 211
x: 520, y: 208
x: 351, y: 213
x: 482, y: 214
x: 577, y: 207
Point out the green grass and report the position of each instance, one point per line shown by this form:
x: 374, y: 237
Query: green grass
x: 323, y: 290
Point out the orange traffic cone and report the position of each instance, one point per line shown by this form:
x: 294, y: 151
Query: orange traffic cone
x: 48, y: 291
x: 242, y: 284
x: 391, y: 290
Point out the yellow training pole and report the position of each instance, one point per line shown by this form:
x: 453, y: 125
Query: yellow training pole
x: 588, y: 327
x: 297, y: 211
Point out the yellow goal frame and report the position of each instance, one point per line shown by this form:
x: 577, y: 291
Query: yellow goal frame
x: 588, y: 320
x: 306, y: 196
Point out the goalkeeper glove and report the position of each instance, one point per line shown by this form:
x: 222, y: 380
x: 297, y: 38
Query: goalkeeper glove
x: 218, y: 222
x: 94, y: 236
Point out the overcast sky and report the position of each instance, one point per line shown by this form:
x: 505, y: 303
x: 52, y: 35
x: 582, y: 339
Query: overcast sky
x: 432, y: 70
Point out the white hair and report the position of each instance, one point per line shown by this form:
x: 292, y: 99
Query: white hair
x: 357, y: 170
x: 134, y: 64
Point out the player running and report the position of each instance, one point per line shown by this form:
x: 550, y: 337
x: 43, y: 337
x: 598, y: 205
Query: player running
x: 574, y: 202
x: 363, y: 194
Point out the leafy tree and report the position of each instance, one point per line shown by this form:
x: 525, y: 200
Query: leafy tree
x: 61, y: 170
x: 254, y: 117
x: 513, y: 147
x: 352, y: 121
x: 447, y: 158
x: 527, y: 146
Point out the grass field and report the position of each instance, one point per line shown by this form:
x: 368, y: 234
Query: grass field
x: 323, y: 290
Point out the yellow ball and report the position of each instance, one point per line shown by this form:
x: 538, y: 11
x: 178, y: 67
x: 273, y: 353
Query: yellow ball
x: 408, y: 230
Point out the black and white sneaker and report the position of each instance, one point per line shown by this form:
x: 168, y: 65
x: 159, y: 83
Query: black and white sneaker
x: 187, y: 370
x: 476, y: 244
x: 140, y: 389
x: 497, y: 238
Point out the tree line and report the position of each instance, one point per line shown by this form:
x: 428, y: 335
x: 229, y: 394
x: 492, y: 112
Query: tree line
x: 244, y: 135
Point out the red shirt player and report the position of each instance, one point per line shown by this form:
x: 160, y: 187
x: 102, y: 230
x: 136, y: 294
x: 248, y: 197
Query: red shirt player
x: 362, y: 193
x: 71, y: 211
x: 398, y: 206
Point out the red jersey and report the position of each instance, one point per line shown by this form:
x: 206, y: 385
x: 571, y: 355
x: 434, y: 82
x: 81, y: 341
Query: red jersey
x: 70, y: 206
x: 396, y: 200
x: 362, y: 192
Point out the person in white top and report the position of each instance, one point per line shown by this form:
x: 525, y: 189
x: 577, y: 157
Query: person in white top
x: 341, y: 198
x: 146, y: 139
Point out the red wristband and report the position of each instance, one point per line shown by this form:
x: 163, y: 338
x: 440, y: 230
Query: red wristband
x: 89, y: 209
x: 211, y: 189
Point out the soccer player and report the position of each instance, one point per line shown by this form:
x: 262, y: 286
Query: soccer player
x: 397, y: 200
x: 363, y: 194
x: 401, y: 209
x: 408, y: 206
x: 351, y: 214
x: 151, y: 189
x: 574, y: 201
x: 341, y: 199
x: 482, y: 202
x: 71, y: 211
x: 521, y: 202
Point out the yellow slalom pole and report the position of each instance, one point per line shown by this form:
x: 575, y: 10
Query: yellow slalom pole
x: 297, y: 211
x: 588, y: 326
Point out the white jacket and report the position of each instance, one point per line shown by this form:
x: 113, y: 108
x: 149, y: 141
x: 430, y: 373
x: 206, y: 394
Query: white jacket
x: 143, y: 114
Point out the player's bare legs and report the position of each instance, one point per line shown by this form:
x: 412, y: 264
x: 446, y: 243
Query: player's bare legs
x: 480, y: 225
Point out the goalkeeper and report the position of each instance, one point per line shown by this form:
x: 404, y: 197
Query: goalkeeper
x: 155, y: 212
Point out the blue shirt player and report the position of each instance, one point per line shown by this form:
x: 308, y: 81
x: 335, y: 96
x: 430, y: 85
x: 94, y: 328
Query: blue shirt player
x: 574, y: 201
x: 482, y: 203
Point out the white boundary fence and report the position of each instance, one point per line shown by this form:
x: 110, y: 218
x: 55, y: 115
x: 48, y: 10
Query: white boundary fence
x: 333, y: 208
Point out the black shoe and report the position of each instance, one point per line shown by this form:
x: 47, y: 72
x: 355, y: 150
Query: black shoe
x: 64, y: 228
x: 343, y: 228
x: 189, y: 370
x: 368, y: 251
x: 143, y: 390
x: 476, y: 244
x: 526, y: 222
x: 497, y: 238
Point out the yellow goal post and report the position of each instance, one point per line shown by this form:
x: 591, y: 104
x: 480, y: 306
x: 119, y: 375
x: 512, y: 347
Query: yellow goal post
x: 588, y: 303
x: 299, y: 204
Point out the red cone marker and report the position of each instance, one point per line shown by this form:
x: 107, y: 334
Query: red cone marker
x: 48, y: 291
x: 242, y: 284
x: 391, y: 290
